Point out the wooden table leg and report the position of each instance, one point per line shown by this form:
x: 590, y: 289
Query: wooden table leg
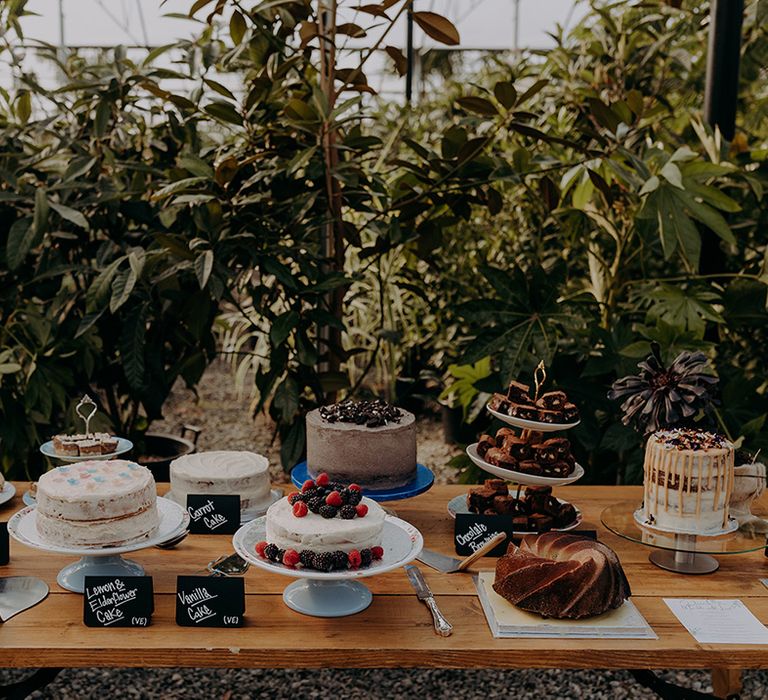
x: 726, y: 682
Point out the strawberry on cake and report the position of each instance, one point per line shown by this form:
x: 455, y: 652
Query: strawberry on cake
x: 326, y: 526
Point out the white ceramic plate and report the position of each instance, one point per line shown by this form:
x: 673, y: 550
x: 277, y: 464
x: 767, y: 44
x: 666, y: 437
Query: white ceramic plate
x: 531, y: 424
x: 173, y: 520
x: 519, y: 477
x: 401, y: 541
x: 247, y: 514
x: 458, y: 504
x: 123, y: 446
x: 7, y: 492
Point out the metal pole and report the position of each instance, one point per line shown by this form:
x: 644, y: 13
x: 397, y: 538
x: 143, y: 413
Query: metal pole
x: 516, y: 35
x: 61, y: 24
x: 409, y: 53
x: 722, y: 82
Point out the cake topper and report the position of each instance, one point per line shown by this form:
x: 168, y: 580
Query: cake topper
x: 82, y: 410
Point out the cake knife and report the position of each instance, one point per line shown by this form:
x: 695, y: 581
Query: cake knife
x: 442, y: 626
x: 450, y: 565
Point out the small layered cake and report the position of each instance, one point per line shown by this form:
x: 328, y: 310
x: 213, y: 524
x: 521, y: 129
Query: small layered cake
x: 327, y: 526
x: 97, y: 504
x: 222, y: 472
x: 84, y: 445
x: 688, y: 480
x: 369, y: 443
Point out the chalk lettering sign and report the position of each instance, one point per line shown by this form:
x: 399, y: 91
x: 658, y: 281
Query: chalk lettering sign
x: 471, y: 531
x: 4, y: 549
x: 208, y: 601
x: 213, y: 515
x: 118, y: 601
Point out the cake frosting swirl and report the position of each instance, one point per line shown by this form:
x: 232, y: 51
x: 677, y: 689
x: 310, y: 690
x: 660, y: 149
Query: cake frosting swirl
x: 222, y: 472
x: 105, y: 504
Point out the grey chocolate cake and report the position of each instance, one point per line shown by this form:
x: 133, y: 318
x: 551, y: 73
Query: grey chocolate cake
x: 369, y: 443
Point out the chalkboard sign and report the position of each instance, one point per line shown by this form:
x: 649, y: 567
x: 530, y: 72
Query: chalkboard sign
x: 4, y: 549
x: 471, y: 531
x: 213, y: 514
x: 210, y: 601
x: 118, y: 601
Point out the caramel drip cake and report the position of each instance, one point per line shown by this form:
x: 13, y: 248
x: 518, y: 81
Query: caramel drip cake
x: 688, y: 481
x: 326, y: 526
x: 369, y: 443
x: 222, y: 472
x: 97, y: 504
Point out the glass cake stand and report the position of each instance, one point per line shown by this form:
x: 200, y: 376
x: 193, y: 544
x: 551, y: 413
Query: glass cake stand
x: 678, y: 552
x: 332, y: 593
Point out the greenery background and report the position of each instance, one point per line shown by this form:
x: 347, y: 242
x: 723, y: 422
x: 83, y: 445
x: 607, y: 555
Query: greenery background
x: 568, y: 205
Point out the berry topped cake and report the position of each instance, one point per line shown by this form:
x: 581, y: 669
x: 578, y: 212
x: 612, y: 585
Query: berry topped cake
x: 97, y: 504
x: 687, y: 479
x: 369, y: 443
x: 326, y: 526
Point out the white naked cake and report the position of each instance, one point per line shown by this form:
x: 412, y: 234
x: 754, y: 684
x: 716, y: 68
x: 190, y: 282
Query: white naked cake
x: 369, y: 443
x: 327, y: 526
x: 97, y: 504
x: 688, y: 480
x: 221, y: 473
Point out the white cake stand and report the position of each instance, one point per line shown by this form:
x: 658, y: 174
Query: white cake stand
x: 123, y: 445
x: 98, y: 561
x: 534, y: 425
x: 522, y: 477
x: 333, y: 593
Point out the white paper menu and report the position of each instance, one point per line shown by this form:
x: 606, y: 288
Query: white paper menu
x: 718, y: 621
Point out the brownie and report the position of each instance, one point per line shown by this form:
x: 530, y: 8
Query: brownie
x: 545, y: 416
x: 540, y: 522
x: 525, y: 412
x: 500, y: 458
x: 481, y: 499
x: 530, y: 467
x: 570, y: 413
x: 536, y: 490
x: 566, y: 516
x: 508, y: 505
x: 499, y: 486
x: 517, y: 447
x: 552, y: 400
x: 552, y: 450
x: 485, y: 443
x: 520, y: 523
x: 499, y: 403
x: 503, y: 433
x: 519, y: 393
x: 559, y: 470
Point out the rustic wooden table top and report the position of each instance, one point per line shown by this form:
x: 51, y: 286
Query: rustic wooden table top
x: 395, y: 631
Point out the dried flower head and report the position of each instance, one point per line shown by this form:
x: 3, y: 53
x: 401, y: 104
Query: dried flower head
x: 666, y: 397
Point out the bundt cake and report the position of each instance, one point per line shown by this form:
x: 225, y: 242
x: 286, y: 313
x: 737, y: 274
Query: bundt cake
x: 561, y: 576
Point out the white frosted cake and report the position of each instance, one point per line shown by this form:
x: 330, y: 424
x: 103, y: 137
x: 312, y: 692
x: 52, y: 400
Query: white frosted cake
x: 688, y: 480
x: 222, y: 472
x: 369, y: 443
x: 97, y: 504
x: 326, y: 526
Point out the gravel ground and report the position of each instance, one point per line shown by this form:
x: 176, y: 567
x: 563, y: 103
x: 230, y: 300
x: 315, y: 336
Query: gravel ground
x: 227, y: 424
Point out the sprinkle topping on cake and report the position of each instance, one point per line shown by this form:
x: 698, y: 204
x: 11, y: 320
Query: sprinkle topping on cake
x: 688, y: 439
x: 372, y: 414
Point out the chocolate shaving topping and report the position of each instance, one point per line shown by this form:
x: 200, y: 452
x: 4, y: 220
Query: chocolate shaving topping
x: 687, y: 439
x: 372, y: 414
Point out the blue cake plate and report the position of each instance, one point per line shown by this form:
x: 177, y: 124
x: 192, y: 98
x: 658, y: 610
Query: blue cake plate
x: 423, y: 482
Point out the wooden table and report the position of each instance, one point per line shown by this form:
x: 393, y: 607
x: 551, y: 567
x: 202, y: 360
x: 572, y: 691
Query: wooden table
x: 396, y: 631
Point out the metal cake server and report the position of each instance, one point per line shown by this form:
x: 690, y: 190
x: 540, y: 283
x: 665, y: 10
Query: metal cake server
x: 442, y: 626
x: 450, y: 565
x: 228, y: 565
x: 17, y: 593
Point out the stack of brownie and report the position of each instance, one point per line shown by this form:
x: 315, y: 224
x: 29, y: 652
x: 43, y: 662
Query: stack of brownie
x: 552, y: 407
x: 536, y: 456
x: 537, y: 511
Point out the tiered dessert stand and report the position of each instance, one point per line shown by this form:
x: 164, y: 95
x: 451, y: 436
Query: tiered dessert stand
x: 333, y: 593
x: 527, y: 428
x: 683, y: 553
x: 85, y: 409
x: 99, y: 561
